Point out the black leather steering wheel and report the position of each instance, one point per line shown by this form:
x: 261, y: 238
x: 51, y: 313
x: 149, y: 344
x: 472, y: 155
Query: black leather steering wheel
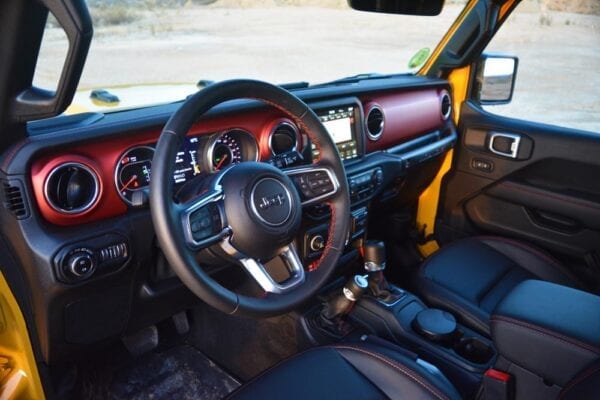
x: 249, y: 212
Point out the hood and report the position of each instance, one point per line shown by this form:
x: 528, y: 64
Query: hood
x: 116, y: 98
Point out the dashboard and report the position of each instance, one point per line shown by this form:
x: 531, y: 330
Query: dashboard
x: 114, y: 175
x: 78, y: 190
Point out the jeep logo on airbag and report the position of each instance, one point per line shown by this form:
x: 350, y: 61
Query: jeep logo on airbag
x: 273, y: 201
x: 270, y: 201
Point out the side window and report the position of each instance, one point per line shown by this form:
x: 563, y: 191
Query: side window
x: 53, y: 52
x: 558, y: 46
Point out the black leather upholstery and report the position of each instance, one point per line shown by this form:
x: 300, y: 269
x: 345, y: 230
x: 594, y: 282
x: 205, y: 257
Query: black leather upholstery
x: 348, y: 371
x: 548, y: 329
x: 584, y: 386
x: 470, y: 277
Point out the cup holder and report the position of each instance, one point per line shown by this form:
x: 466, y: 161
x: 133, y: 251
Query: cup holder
x: 474, y: 350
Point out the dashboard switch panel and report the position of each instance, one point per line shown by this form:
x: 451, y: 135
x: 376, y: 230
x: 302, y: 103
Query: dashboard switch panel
x: 91, y: 258
x: 363, y: 186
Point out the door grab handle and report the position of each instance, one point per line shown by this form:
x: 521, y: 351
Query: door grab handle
x: 505, y: 144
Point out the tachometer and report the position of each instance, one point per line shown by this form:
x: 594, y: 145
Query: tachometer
x: 132, y: 173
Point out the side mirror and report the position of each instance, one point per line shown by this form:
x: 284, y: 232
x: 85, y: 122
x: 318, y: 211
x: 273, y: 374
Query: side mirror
x: 406, y: 7
x: 496, y: 76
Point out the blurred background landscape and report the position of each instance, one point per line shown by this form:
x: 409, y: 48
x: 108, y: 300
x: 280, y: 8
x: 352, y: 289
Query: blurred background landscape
x: 183, y: 41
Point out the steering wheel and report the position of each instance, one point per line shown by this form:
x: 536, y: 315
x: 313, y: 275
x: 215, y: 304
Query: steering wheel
x: 250, y: 212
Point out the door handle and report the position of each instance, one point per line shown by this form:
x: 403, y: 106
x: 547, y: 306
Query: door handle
x: 504, y: 144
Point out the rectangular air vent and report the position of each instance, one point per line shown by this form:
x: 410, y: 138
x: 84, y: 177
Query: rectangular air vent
x: 13, y: 199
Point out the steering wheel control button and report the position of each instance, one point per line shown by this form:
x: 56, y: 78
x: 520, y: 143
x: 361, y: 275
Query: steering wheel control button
x: 319, y: 182
x: 313, y: 184
x: 205, y: 222
x: 271, y: 202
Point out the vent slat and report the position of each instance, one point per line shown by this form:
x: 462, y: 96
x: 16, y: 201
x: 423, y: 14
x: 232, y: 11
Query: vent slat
x: 72, y: 188
x: 284, y: 138
x: 14, y: 201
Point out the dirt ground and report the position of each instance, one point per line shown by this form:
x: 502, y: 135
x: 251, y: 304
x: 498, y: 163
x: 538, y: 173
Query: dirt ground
x: 557, y: 80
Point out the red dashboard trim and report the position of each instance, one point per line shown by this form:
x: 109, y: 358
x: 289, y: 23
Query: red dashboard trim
x: 406, y: 115
x: 41, y: 170
x: 103, y: 155
x: 263, y: 144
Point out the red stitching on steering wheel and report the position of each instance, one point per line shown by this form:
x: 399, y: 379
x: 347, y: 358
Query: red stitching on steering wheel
x: 330, y: 231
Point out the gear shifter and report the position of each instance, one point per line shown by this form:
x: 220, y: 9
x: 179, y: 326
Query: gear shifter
x: 374, y: 257
x: 341, y: 304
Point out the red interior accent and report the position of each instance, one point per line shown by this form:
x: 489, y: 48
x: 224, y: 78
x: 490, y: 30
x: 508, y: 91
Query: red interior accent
x: 103, y: 155
x: 263, y: 143
x: 406, y: 115
x: 498, y: 375
x: 103, y: 207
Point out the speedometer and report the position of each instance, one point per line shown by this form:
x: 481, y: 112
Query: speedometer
x: 132, y: 173
x: 230, y: 147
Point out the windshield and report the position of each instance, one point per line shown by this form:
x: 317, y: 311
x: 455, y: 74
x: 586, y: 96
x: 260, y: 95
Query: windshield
x: 155, y: 51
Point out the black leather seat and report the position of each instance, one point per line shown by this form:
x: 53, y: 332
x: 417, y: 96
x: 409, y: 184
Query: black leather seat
x: 470, y: 277
x: 363, y: 371
x: 349, y: 371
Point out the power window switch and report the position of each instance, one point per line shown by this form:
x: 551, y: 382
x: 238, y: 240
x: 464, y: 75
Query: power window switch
x: 482, y: 165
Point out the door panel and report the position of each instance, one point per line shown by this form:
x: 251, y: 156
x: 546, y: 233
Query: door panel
x: 547, y: 192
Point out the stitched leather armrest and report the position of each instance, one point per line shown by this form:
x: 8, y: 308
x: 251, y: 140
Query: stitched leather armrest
x: 551, y: 330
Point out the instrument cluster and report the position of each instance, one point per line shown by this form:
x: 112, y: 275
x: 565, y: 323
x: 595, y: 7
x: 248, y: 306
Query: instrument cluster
x: 200, y: 153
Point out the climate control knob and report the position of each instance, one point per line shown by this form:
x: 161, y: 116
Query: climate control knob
x: 80, y: 264
x: 317, y: 243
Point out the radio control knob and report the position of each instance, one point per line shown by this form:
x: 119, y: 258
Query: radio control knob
x: 317, y: 243
x: 80, y: 264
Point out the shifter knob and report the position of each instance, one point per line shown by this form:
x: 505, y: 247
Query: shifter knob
x: 374, y: 255
x: 342, y: 303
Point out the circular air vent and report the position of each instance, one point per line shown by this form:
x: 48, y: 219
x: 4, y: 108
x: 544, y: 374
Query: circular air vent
x: 283, y: 138
x: 375, y: 123
x: 71, y: 188
x: 446, y: 106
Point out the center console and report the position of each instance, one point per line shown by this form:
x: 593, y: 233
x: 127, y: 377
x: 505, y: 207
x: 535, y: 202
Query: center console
x: 343, y: 119
x: 461, y: 353
x: 545, y: 337
x: 369, y: 305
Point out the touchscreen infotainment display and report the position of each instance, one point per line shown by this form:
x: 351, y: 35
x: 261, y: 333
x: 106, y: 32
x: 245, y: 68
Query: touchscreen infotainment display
x: 339, y: 129
x: 339, y: 122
